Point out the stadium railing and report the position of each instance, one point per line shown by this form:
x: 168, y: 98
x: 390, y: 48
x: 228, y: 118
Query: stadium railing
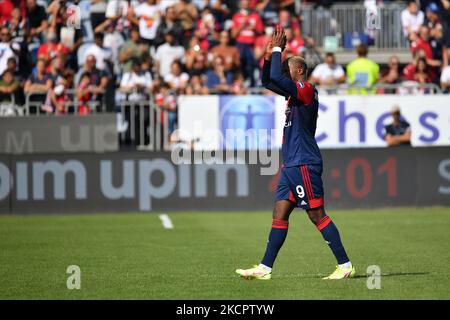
x: 342, y: 19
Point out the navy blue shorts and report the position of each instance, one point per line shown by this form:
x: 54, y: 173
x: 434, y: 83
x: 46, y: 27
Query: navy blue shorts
x: 302, y: 186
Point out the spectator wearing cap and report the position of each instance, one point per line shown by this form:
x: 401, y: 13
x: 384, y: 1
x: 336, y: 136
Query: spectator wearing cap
x: 169, y: 23
x: 167, y: 53
x: 328, y: 73
x: 412, y: 18
x: 399, y: 131
x: 132, y: 48
x: 436, y: 30
x: 228, y: 52
x: 246, y: 27
x: 362, y: 71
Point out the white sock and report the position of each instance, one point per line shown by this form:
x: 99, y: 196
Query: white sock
x: 346, y: 265
x: 268, y: 269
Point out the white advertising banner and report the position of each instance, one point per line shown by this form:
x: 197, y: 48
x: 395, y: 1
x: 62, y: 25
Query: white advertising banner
x: 344, y: 121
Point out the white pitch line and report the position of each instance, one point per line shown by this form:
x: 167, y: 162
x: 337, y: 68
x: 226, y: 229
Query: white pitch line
x: 166, y: 222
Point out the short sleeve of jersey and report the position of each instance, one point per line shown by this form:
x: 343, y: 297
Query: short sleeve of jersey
x: 305, y: 92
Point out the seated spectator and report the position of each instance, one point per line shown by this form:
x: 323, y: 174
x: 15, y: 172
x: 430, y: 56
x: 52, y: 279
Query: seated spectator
x: 412, y: 18
x: 238, y: 87
x: 169, y: 23
x: 328, y: 73
x: 98, y: 78
x: 196, y: 86
x: 218, y: 79
x: 84, y: 95
x: 421, y: 75
x: 167, y: 53
x: 9, y: 87
x: 36, y: 19
x: 399, y: 132
x: 228, y: 53
x: 51, y: 48
x: 132, y: 48
x: 196, y: 58
x: 136, y: 83
x: 421, y: 43
x: 177, y: 79
x: 56, y: 99
x: 166, y: 100
x: 445, y: 79
x: 39, y: 81
x: 103, y: 56
x: 362, y: 71
x: 147, y: 17
x: 392, y: 74
x: 57, y: 69
x: 8, y: 49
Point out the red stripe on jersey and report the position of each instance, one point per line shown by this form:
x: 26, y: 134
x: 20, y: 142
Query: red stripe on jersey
x: 305, y: 92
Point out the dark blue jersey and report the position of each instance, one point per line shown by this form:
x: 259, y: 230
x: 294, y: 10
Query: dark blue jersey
x: 299, y: 143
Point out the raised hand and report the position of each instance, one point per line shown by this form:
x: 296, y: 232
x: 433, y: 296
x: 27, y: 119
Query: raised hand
x: 279, y: 37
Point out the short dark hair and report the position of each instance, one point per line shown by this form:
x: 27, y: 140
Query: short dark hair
x: 362, y: 50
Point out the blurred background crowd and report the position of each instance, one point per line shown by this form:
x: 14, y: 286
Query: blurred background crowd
x: 130, y: 50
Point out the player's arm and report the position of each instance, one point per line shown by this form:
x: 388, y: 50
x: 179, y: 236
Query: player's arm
x: 265, y: 79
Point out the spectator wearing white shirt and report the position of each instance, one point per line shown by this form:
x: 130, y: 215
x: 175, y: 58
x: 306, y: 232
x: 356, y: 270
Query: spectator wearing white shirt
x: 102, y: 55
x: 136, y: 83
x: 177, y: 79
x: 328, y: 73
x: 445, y: 78
x: 412, y: 18
x: 167, y: 53
x: 8, y: 49
x: 147, y: 16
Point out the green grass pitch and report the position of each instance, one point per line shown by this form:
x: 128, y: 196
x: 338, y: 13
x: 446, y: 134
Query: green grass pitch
x: 131, y: 256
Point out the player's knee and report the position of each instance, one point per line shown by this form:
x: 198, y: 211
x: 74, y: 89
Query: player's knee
x: 315, y: 215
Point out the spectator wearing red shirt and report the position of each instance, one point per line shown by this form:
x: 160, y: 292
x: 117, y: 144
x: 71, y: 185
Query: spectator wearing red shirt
x: 51, y: 49
x: 6, y: 8
x: 246, y: 27
x: 421, y: 43
x: 286, y: 21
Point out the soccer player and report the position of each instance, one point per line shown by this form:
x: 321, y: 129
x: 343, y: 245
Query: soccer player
x: 300, y: 183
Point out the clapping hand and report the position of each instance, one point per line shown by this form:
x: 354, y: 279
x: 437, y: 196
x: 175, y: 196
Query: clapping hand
x: 279, y: 38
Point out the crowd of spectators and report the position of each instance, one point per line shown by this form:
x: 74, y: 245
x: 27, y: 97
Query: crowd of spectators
x: 184, y: 47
